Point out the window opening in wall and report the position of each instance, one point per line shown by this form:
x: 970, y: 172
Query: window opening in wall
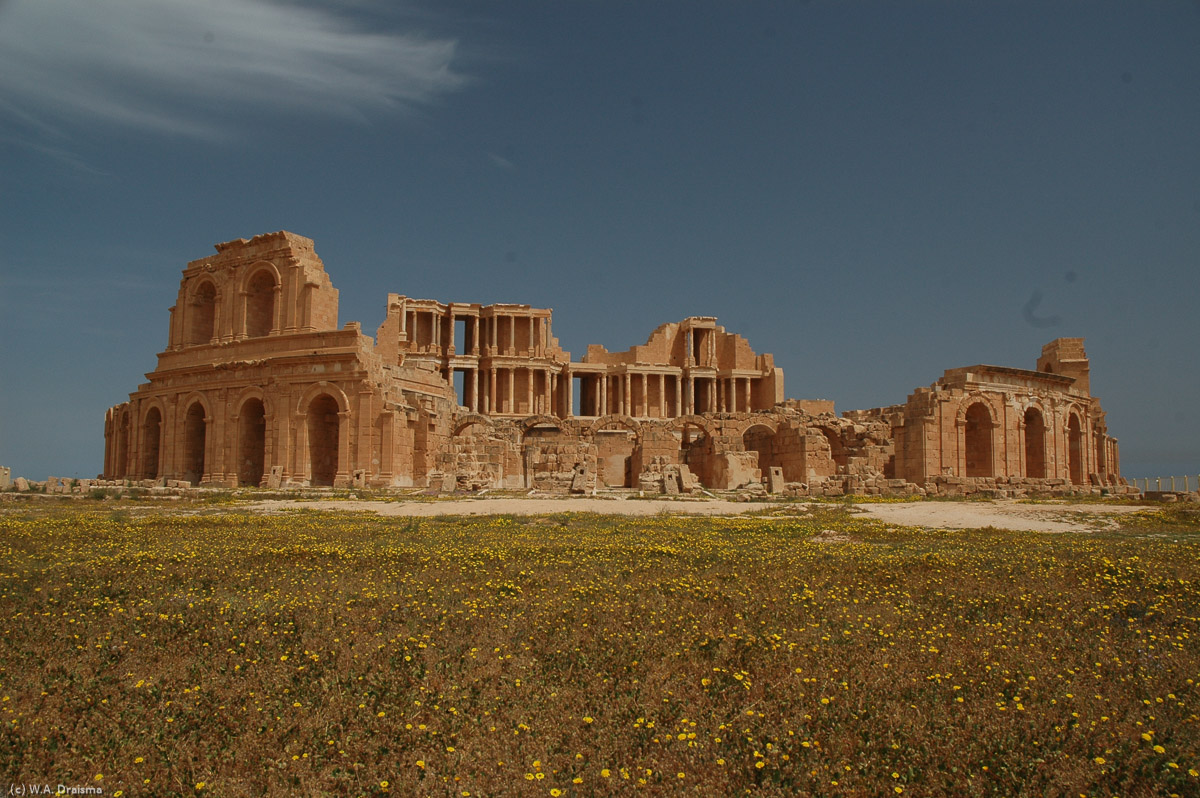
x: 202, y: 325
x: 260, y: 304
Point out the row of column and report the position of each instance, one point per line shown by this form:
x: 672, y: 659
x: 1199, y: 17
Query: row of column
x: 501, y: 391
x: 424, y: 331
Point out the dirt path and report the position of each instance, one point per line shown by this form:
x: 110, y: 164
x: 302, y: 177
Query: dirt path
x: 513, y: 506
x: 1002, y: 514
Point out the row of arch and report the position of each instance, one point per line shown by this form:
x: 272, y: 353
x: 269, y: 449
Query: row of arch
x: 979, y: 443
x: 259, y: 290
x: 322, y: 411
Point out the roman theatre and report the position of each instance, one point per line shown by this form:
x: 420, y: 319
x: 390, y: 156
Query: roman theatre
x: 259, y: 386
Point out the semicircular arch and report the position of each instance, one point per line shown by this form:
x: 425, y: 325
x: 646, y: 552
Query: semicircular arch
x: 323, y: 387
x: 471, y: 420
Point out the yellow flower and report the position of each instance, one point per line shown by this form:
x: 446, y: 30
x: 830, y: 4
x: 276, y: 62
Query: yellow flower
x: 606, y: 773
x: 1099, y: 760
x: 1158, y: 749
x: 421, y: 764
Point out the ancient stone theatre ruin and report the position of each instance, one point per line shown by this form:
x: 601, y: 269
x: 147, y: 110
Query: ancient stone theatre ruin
x: 258, y: 386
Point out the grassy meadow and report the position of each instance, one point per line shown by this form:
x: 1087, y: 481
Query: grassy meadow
x: 203, y: 650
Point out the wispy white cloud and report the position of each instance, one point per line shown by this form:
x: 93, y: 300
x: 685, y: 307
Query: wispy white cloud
x: 196, y: 66
x: 501, y: 162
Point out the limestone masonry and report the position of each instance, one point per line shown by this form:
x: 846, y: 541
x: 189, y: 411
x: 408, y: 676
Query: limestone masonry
x: 258, y: 386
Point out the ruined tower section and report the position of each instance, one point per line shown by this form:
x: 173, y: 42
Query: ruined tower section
x: 258, y: 386
x: 994, y: 427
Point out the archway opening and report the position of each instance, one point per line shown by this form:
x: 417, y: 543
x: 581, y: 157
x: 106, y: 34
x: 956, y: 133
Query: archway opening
x: 1075, y: 449
x: 202, y: 327
x: 1035, y: 444
x: 323, y: 439
x: 151, y: 438
x: 978, y: 441
x: 195, y: 429
x: 837, y: 450
x: 761, y: 439
x: 260, y: 304
x: 252, y: 442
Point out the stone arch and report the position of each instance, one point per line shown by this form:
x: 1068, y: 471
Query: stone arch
x: 1074, y: 447
x: 604, y: 422
x: 151, y: 448
x: 195, y: 439
x: 260, y: 289
x: 759, y: 437
x: 251, y: 439
x: 978, y: 432
x: 470, y: 421
x: 318, y: 388
x: 616, y: 453
x: 530, y: 422
x: 201, y: 315
x: 702, y: 422
x: 768, y: 423
x: 1033, y: 424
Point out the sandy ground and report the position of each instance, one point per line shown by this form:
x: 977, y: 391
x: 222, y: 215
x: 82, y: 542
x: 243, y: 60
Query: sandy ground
x: 1002, y: 514
x: 515, y: 506
x: 1052, y: 517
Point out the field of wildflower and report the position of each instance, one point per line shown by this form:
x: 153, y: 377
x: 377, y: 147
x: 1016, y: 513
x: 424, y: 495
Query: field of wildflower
x: 207, y: 650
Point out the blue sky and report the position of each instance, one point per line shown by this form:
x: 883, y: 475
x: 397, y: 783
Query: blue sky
x: 874, y: 192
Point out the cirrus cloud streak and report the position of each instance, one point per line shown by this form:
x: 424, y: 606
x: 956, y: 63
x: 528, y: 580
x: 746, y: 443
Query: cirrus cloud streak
x: 196, y: 67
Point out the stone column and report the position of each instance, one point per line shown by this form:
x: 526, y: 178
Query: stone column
x: 342, y: 477
x: 529, y: 390
x: 512, y: 391
x: 678, y: 380
x: 627, y: 403
x: 475, y: 390
x: 512, y: 334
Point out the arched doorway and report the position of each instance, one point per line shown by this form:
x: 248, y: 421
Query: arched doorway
x: 1035, y: 444
x: 203, y: 315
x: 260, y: 304
x: 1075, y: 449
x: 151, y: 438
x: 323, y: 439
x: 252, y: 442
x: 195, y: 429
x: 978, y: 441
